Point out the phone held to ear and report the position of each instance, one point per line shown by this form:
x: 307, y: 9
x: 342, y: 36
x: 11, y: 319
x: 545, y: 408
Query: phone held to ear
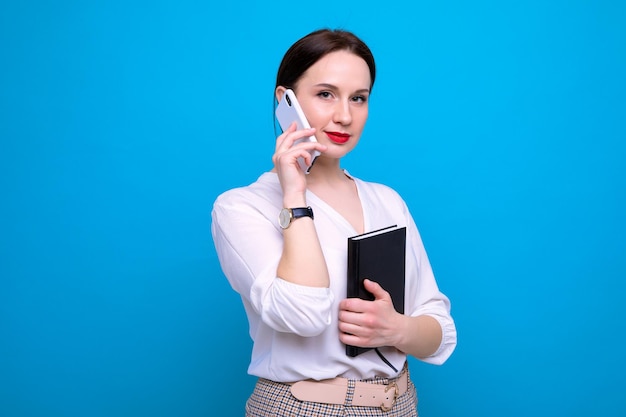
x: 287, y: 112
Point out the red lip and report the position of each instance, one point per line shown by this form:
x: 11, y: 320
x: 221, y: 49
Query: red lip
x: 338, y: 137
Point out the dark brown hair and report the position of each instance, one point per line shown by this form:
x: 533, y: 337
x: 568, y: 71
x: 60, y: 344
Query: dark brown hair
x: 309, y: 49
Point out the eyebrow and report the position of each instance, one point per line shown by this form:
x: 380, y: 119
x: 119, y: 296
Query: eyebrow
x: 334, y: 87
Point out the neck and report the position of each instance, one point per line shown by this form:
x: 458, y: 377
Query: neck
x: 326, y: 172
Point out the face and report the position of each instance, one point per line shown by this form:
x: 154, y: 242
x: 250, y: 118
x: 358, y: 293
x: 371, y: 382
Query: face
x: 334, y: 95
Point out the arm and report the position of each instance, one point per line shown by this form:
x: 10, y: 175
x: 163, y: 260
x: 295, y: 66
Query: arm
x: 427, y: 331
x: 266, y: 265
x: 302, y: 260
x: 376, y: 323
x: 248, y: 242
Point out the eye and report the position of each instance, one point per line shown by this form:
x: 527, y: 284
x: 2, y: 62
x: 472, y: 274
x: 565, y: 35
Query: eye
x: 324, y: 94
x: 359, y: 99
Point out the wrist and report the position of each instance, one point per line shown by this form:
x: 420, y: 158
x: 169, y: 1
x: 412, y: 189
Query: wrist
x: 296, y: 200
x: 288, y: 215
x: 402, y: 332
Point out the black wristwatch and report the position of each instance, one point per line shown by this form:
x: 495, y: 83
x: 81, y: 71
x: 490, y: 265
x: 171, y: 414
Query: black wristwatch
x: 287, y: 215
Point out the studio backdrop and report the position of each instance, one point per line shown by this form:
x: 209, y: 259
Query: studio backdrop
x: 502, y: 124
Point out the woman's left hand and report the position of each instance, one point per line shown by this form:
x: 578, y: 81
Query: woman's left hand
x: 370, y: 323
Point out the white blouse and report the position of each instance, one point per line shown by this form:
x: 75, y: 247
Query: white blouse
x: 295, y: 328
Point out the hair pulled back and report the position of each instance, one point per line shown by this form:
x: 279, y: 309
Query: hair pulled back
x: 312, y: 47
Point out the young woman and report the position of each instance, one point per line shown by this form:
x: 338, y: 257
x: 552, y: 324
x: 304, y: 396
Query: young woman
x: 292, y: 276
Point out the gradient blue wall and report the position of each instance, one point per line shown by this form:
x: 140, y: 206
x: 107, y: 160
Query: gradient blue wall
x: 501, y: 123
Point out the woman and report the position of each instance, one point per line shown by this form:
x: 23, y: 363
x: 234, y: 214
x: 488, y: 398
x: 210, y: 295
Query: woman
x: 292, y: 277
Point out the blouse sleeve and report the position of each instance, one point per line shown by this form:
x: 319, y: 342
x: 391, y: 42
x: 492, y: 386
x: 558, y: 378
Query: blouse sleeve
x: 249, y: 245
x: 424, y: 295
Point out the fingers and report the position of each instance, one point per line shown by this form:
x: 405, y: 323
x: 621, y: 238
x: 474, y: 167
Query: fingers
x: 354, y: 339
x: 285, y: 144
x: 377, y: 291
x: 359, y: 329
x: 357, y: 317
x: 368, y: 323
x: 362, y: 306
x: 287, y: 139
x: 290, y: 147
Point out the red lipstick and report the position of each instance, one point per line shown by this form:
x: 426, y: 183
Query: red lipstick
x: 338, y: 137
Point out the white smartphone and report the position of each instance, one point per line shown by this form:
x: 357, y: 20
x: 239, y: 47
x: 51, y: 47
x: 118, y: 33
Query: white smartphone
x: 287, y: 112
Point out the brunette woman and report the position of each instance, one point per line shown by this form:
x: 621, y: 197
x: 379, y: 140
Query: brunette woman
x: 291, y: 274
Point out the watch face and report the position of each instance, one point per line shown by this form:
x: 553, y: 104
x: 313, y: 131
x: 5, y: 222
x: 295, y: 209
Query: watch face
x: 284, y: 218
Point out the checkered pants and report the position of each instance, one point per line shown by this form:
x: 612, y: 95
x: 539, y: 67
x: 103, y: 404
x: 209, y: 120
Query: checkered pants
x: 274, y: 399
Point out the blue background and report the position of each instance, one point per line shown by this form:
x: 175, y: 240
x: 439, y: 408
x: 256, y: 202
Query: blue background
x: 503, y: 125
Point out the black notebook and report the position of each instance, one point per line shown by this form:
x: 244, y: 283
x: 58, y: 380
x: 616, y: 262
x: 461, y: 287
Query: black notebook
x: 379, y: 256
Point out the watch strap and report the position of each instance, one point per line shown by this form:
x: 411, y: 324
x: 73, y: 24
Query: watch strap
x: 298, y: 212
x: 288, y: 215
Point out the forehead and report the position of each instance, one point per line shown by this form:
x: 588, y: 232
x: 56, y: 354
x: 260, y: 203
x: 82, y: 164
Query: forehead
x: 340, y: 68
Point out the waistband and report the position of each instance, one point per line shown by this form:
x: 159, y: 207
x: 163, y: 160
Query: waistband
x: 366, y: 394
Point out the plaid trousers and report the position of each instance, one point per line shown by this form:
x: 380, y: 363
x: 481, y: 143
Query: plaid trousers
x: 274, y: 399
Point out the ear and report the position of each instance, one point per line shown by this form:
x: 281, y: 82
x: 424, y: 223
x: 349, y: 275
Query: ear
x: 280, y: 91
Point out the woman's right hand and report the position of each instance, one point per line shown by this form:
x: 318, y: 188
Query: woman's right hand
x: 292, y: 178
x: 300, y: 267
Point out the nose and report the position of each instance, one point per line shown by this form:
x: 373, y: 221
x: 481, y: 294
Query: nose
x: 343, y: 113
